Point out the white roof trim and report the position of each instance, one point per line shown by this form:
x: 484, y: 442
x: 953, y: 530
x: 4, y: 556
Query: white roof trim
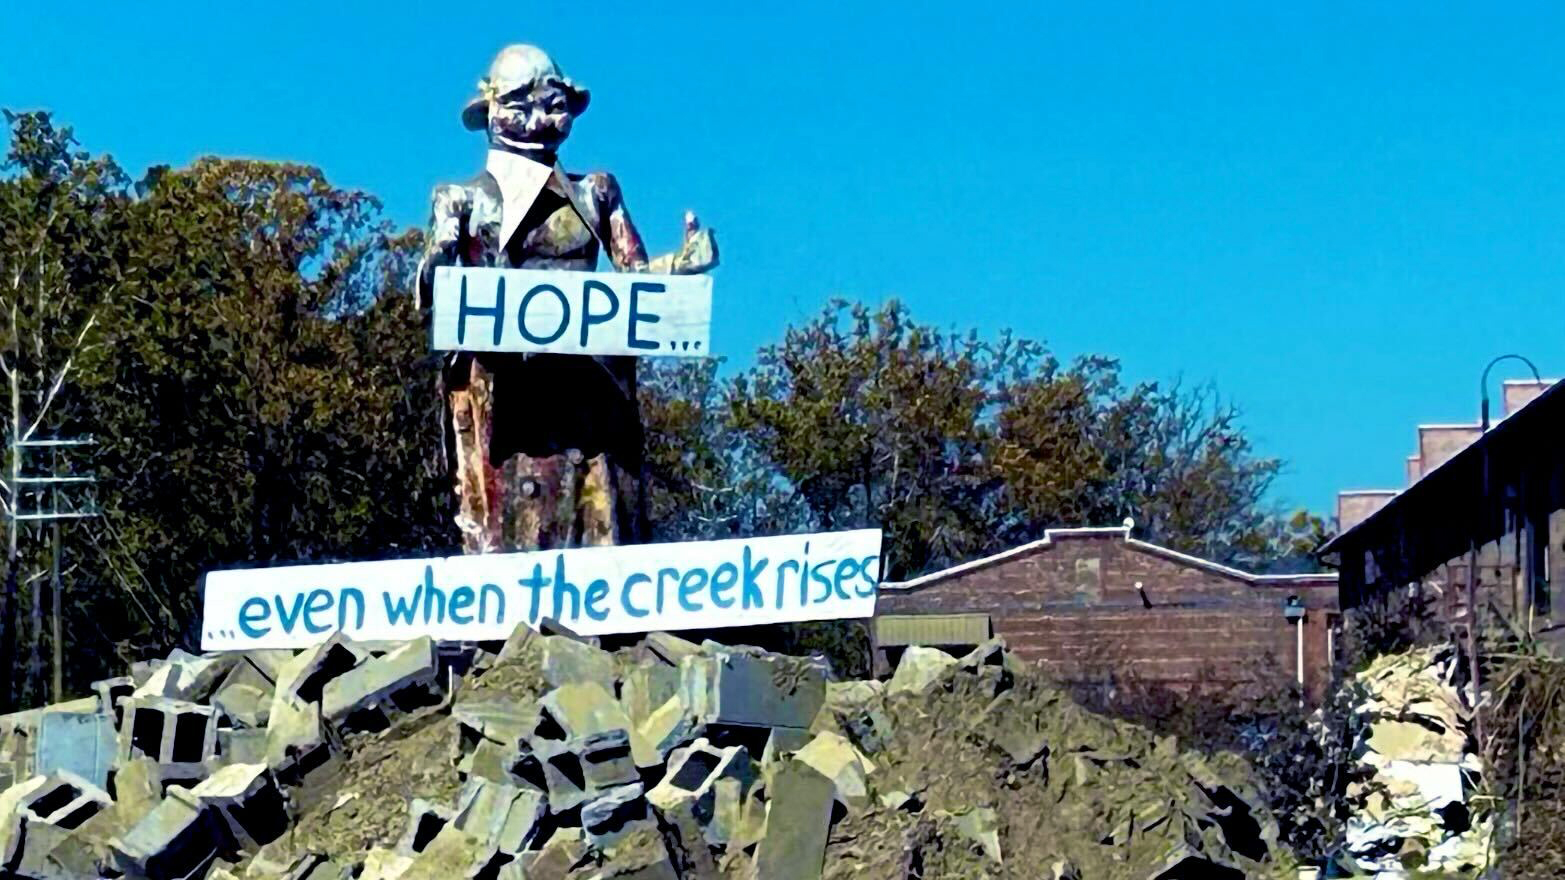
x: 1123, y: 532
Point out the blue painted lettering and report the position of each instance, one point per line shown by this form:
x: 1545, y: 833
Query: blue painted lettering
x: 536, y: 583
x: 564, y: 590
x: 318, y: 601
x: 483, y: 603
x: 624, y: 596
x: 254, y: 611
x: 724, y: 577
x: 597, y: 591
x: 461, y: 597
x: 751, y: 591
x: 588, y: 318
x: 693, y: 582
x: 495, y: 312
x: 521, y: 315
x: 639, y: 317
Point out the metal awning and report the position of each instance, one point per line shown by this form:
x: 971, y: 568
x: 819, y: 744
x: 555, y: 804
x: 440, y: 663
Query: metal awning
x: 893, y: 630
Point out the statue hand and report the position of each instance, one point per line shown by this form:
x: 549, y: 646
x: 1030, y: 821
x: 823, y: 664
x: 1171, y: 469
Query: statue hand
x: 698, y: 253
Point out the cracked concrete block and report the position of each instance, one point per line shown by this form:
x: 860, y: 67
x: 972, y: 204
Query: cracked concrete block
x: 248, y: 799
x: 614, y: 814
x: 110, y: 691
x: 669, y: 648
x: 580, y: 709
x: 784, y: 741
x: 848, y: 769
x: 138, y: 787
x: 304, y: 677
x: 245, y: 695
x: 555, y: 860
x: 295, y: 739
x: 504, y: 818
x: 753, y: 688
x: 798, y: 818
x: 85, y: 744
x: 384, y: 864
x: 502, y: 722
x: 402, y: 680
x: 668, y: 726
x: 918, y: 670
x: 640, y: 854
x: 186, y: 676
x: 453, y: 854
x: 180, y: 736
x: 61, y: 800
x: 178, y: 839
x: 425, y: 821
x: 559, y: 770
x: 566, y: 661
x: 606, y: 759
x: 491, y: 762
x: 646, y: 688
x: 714, y: 785
x: 980, y: 827
x: 246, y: 746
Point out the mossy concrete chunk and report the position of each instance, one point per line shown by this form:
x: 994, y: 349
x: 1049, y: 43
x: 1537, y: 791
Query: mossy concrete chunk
x: 918, y: 670
x: 798, y: 819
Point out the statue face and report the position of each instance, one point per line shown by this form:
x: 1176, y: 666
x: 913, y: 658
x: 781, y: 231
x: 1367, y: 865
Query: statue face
x: 535, y: 116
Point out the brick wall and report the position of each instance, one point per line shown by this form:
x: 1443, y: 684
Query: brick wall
x: 1071, y: 603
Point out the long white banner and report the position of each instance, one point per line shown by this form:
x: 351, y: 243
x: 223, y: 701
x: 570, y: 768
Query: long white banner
x: 593, y: 591
x: 555, y: 310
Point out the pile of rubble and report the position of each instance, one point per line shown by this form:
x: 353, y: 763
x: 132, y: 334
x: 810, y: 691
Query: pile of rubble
x: 549, y: 757
x: 1418, y: 769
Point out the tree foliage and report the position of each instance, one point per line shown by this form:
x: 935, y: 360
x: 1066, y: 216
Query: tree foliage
x: 262, y: 391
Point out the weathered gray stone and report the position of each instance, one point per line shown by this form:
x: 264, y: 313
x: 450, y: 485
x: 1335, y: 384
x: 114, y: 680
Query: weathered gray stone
x: 745, y: 686
x: 560, y: 769
x: 836, y: 759
x: 918, y: 670
x: 798, y: 818
x: 180, y: 736
x: 385, y: 683
x: 615, y: 813
x: 294, y: 734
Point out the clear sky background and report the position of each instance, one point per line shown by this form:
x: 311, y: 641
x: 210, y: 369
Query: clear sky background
x: 1337, y: 212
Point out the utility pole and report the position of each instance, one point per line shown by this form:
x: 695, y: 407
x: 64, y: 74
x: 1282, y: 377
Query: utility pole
x: 47, y: 507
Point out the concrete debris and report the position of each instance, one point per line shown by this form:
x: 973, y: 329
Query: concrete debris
x: 836, y: 759
x: 1418, y: 769
x: 738, y: 686
x: 918, y: 670
x: 552, y: 757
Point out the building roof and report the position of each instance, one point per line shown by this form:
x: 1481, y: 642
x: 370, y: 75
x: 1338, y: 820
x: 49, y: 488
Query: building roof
x: 1462, y: 500
x: 1051, y: 536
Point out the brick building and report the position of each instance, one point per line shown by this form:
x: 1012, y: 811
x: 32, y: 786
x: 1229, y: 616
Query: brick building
x: 1481, y: 514
x: 1085, y: 601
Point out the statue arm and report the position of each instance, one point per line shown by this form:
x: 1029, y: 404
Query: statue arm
x: 450, y: 207
x: 626, y: 250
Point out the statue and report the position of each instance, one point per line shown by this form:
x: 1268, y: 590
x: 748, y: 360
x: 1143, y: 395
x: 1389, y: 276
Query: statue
x: 546, y: 449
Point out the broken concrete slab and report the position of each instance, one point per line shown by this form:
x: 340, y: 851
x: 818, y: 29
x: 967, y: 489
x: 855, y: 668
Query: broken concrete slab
x: 646, y: 688
x: 453, y: 854
x: 798, y: 819
x: 784, y: 741
x: 579, y: 709
x: 669, y: 648
x: 918, y: 670
x: 668, y: 726
x: 400, y: 681
x: 426, y: 819
x: 110, y: 691
x: 381, y: 863
x: 848, y: 769
x: 246, y: 746
x: 746, y: 686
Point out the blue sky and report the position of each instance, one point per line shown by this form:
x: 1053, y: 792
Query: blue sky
x: 1337, y: 212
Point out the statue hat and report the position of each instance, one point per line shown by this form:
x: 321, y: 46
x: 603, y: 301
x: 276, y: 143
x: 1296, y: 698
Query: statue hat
x: 517, y: 66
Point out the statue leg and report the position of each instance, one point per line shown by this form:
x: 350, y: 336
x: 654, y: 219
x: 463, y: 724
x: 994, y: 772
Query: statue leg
x: 596, y: 505
x: 472, y: 413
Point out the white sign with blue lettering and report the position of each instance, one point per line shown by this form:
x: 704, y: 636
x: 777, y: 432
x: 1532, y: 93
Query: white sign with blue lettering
x: 555, y: 310
x: 592, y: 591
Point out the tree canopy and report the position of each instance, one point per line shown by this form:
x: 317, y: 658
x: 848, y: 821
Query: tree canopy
x: 240, y: 339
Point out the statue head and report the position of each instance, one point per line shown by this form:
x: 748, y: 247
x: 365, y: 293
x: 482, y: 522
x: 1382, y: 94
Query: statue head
x: 525, y: 101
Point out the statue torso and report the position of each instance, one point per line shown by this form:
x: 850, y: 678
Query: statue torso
x: 552, y: 235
